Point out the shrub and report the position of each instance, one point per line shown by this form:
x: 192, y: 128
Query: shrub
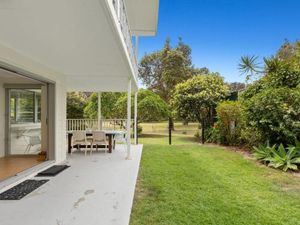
x: 229, y: 122
x: 251, y: 136
x: 140, y: 129
x: 275, y: 113
x: 213, y: 135
x: 271, y: 105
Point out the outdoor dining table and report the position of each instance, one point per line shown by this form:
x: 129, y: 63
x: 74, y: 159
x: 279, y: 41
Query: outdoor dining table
x: 109, y: 133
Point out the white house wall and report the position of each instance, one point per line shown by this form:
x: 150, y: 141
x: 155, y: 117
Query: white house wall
x: 2, y: 119
x: 22, y: 64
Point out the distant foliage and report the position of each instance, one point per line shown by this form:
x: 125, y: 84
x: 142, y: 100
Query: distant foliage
x: 108, y: 101
x: 150, y: 107
x: 75, y: 105
x: 236, y: 86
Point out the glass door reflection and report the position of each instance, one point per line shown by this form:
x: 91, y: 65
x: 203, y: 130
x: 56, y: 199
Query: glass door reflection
x: 24, y: 121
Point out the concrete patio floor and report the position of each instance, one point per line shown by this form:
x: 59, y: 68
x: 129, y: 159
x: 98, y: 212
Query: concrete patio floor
x: 96, y: 189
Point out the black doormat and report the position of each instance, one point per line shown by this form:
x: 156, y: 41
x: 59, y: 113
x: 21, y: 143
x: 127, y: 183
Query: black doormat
x: 21, y: 190
x: 52, y: 171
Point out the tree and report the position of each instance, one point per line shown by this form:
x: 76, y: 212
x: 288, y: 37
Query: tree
x: 161, y: 71
x: 202, y: 71
x: 108, y: 100
x: 150, y: 107
x: 198, y: 96
x: 75, y: 105
x: 236, y: 86
x: 249, y: 67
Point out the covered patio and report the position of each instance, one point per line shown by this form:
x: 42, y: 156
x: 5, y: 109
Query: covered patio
x: 96, y: 189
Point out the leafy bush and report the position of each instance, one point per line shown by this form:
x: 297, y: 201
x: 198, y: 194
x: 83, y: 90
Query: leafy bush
x: 279, y: 157
x: 271, y: 105
x: 140, y: 129
x: 251, y: 136
x: 213, y: 135
x: 275, y: 113
x: 229, y: 122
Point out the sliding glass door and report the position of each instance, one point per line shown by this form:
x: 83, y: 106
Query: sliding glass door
x: 24, y: 127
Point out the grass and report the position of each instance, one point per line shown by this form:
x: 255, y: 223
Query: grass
x: 187, y: 183
x: 162, y: 128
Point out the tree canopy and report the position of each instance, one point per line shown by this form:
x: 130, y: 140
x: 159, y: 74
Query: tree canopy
x: 108, y: 100
x: 150, y: 106
x: 194, y: 98
x: 161, y: 71
x: 75, y: 105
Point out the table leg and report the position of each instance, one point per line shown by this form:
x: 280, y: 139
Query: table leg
x: 110, y: 143
x: 69, y: 143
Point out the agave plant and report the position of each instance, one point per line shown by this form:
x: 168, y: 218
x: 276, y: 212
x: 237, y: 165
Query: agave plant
x: 284, y: 159
x: 263, y: 153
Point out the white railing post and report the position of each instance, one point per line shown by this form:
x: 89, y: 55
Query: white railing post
x: 135, y: 117
x: 99, y: 112
x: 128, y: 120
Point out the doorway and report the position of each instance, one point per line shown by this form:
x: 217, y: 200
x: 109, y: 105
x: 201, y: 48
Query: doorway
x: 23, y: 121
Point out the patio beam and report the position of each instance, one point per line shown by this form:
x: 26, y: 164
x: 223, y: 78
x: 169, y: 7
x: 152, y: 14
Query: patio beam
x: 128, y: 120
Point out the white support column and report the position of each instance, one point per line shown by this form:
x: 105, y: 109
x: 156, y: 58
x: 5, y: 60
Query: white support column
x: 128, y: 120
x: 137, y: 47
x: 99, y: 112
x: 135, y: 117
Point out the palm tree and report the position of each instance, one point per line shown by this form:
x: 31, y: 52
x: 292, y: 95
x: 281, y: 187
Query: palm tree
x: 249, y: 67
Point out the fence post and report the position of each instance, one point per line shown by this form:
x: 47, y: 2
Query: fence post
x: 171, y: 127
x: 203, y: 130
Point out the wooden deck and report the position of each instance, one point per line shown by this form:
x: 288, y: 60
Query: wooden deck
x: 11, y: 165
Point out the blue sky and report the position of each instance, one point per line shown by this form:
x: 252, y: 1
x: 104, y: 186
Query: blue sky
x: 221, y: 31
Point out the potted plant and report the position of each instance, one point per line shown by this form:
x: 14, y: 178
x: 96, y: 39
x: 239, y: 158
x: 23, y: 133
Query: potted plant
x: 42, y: 156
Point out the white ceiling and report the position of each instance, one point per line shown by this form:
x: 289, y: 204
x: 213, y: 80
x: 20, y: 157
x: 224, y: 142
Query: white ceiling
x: 73, y: 37
x: 143, y: 16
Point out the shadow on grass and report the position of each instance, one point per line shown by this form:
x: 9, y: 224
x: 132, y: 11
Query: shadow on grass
x: 153, y: 135
x: 175, y: 138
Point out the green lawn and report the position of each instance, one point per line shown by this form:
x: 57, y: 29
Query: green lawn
x: 192, y: 184
x: 162, y: 128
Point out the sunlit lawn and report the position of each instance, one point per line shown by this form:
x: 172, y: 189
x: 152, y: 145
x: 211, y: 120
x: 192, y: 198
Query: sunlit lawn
x: 192, y: 184
x: 162, y: 128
